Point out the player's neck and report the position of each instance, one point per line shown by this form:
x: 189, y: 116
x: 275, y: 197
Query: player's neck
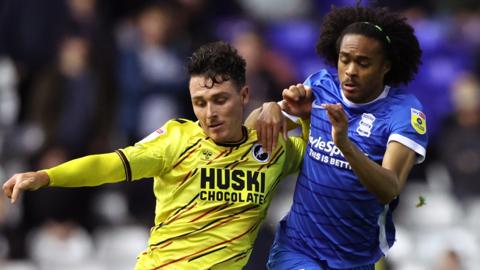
x: 236, y: 141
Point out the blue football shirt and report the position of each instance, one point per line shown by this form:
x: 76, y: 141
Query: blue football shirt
x: 333, y: 217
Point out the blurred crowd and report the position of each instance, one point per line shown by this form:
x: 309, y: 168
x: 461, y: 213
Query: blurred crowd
x: 81, y: 77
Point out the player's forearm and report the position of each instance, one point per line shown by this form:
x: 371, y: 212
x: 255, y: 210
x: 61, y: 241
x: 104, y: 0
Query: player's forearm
x: 91, y: 170
x: 383, y: 183
x: 253, y: 117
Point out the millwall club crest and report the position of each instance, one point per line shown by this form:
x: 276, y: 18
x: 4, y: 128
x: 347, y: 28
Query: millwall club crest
x: 258, y: 153
x: 366, y: 124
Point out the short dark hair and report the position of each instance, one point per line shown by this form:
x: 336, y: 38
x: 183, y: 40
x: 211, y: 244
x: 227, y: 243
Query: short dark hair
x: 397, y: 37
x: 218, y: 61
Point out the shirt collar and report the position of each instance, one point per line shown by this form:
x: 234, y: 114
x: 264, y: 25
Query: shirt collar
x: 350, y: 104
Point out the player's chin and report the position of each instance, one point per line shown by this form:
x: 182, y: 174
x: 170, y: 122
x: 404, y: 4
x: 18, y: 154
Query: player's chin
x: 353, y: 96
x: 217, y: 137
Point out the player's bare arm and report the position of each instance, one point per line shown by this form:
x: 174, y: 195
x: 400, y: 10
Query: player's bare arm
x: 385, y: 181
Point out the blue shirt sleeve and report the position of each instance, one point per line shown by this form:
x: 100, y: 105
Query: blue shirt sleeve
x: 409, y: 127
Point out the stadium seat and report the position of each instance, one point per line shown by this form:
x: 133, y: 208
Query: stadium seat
x: 118, y: 247
x: 60, y: 246
x: 402, y: 249
x: 17, y: 265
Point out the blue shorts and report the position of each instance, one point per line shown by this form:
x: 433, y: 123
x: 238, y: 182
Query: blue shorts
x: 283, y: 257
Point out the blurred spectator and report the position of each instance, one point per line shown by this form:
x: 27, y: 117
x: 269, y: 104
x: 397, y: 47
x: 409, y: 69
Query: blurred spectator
x: 71, y: 91
x: 296, y: 40
x: 449, y: 260
x: 30, y: 31
x: 267, y: 72
x: 199, y: 18
x: 54, y: 238
x: 459, y: 144
x: 72, y: 108
x: 467, y: 24
x: 9, y: 105
x: 150, y: 74
x: 8, y: 93
x: 88, y: 20
x: 275, y: 10
x: 83, y: 17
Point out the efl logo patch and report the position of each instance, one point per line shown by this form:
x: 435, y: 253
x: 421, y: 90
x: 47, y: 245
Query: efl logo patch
x: 258, y: 153
x: 366, y: 124
x: 418, y: 121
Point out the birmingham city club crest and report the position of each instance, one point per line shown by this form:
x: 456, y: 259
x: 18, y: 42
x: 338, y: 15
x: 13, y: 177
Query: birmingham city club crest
x: 366, y: 124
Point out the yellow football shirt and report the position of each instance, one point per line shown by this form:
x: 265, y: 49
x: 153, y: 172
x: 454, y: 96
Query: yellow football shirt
x: 210, y: 198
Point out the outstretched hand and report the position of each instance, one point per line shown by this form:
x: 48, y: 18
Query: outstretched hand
x: 13, y: 187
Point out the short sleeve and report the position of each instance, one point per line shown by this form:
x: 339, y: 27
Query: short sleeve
x: 409, y: 127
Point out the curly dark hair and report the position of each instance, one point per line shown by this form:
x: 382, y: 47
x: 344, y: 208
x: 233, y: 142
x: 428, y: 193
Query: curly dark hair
x: 218, y: 61
x: 397, y: 37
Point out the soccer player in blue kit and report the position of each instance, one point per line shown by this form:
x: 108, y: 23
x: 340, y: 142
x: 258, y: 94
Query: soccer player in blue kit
x: 365, y: 136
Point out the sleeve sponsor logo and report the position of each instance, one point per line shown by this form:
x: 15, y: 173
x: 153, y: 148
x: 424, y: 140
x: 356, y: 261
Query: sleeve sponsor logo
x: 152, y: 136
x: 418, y: 121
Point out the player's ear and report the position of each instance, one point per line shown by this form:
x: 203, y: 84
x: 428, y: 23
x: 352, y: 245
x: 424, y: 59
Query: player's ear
x: 245, y: 95
x: 387, y: 65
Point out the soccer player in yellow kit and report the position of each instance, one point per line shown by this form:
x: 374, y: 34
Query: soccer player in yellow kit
x: 213, y: 182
